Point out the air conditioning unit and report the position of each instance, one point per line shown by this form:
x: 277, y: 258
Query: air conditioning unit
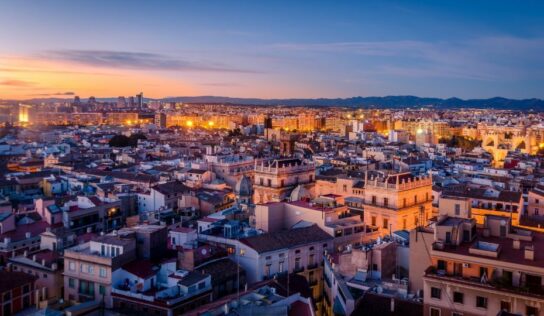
x: 466, y: 265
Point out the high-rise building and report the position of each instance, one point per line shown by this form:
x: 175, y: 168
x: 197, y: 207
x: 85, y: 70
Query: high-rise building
x: 140, y: 100
x: 160, y: 120
x: 121, y: 102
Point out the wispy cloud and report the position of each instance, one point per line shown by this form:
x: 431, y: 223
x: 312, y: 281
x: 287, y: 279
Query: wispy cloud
x: 16, y: 83
x: 52, y: 94
x: 221, y: 84
x: 490, y: 58
x: 138, y: 60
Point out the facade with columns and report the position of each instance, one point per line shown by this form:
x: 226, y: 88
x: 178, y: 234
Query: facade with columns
x: 396, y: 200
x: 275, y: 179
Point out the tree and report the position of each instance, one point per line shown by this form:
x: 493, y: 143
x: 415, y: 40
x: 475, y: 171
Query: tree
x: 460, y: 142
x: 124, y: 141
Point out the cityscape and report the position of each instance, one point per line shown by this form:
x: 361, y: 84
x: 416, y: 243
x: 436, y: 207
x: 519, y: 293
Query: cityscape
x: 250, y: 158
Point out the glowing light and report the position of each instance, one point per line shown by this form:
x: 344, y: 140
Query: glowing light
x: 349, y: 116
x: 362, y: 116
x: 129, y: 122
x: 210, y: 123
x: 541, y: 145
x: 189, y: 123
x: 419, y: 131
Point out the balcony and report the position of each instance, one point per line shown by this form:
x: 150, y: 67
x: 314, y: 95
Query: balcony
x: 496, y: 283
x: 312, y: 266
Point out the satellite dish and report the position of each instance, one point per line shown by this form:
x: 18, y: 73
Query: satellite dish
x: 204, y: 251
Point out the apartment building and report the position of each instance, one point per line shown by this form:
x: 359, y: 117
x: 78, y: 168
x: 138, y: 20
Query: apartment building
x: 46, y: 266
x: 488, y: 271
x: 88, y: 267
x: 295, y: 251
x: 328, y: 212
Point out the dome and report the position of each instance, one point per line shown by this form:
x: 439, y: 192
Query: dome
x: 300, y: 193
x: 243, y: 186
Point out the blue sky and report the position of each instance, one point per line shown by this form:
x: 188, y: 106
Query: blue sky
x: 468, y: 49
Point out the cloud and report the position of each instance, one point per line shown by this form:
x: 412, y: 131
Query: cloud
x: 489, y: 58
x: 138, y: 60
x: 221, y: 84
x: 16, y: 83
x: 52, y: 94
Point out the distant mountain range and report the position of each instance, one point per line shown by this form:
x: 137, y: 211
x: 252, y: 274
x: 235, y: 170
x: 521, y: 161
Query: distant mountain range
x: 379, y: 102
x: 395, y: 102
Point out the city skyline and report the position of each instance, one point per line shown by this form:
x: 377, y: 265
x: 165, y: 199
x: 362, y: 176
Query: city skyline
x: 281, y: 50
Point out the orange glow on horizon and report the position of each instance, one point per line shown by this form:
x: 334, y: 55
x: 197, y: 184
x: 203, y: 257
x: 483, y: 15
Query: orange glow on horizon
x: 26, y: 78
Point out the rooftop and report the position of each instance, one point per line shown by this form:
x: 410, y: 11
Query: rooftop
x: 286, y: 239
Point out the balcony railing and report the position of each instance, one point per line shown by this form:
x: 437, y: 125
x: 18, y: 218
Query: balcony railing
x: 498, y: 284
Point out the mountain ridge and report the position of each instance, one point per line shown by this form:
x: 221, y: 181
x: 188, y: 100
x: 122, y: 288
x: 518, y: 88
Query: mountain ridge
x: 399, y: 101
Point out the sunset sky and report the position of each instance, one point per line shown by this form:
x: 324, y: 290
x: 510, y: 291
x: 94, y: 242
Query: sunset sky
x: 271, y: 49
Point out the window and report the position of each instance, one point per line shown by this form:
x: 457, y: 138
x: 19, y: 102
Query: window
x: 72, y: 266
x: 267, y: 270
x: 71, y: 283
x: 436, y: 292
x: 101, y: 290
x: 311, y: 260
x: 385, y: 223
x: 481, y: 302
x: 458, y: 297
x: 280, y: 267
x: 456, y: 314
x: 531, y: 311
x: 297, y: 263
x: 90, y: 269
x: 415, y: 199
x: 435, y: 311
x: 385, y: 202
x: 103, y: 273
x: 505, y: 306
x: 201, y: 285
x: 457, y: 209
x: 373, y: 220
x: 373, y: 199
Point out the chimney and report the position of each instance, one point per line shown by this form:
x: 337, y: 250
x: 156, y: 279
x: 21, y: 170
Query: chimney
x: 529, y: 253
x: 516, y: 244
